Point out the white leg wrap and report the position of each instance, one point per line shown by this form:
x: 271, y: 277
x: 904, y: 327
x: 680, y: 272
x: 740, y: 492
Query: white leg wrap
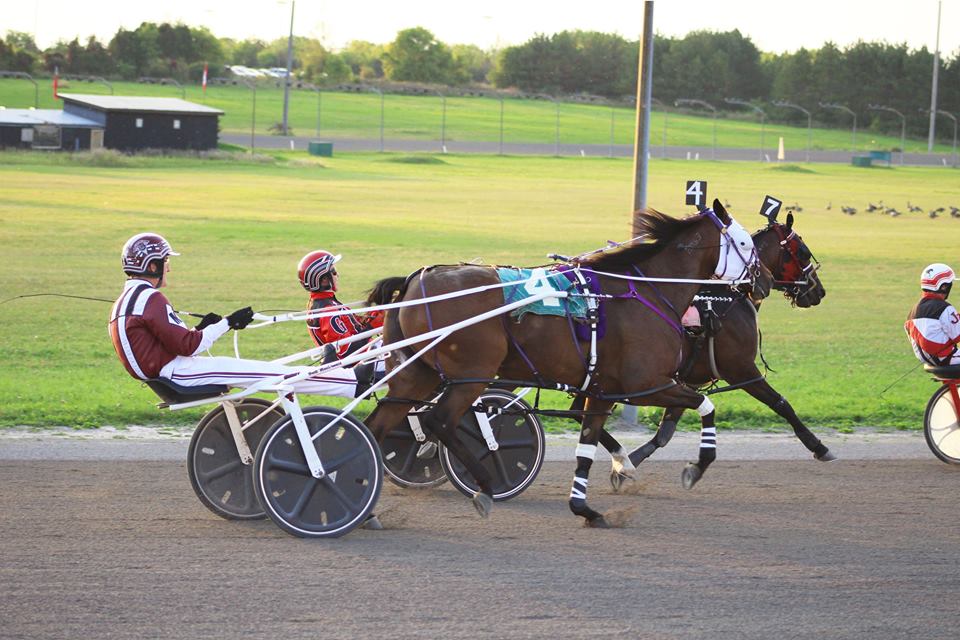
x: 621, y: 461
x: 708, y: 438
x: 586, y: 451
x: 579, y: 488
x: 706, y: 407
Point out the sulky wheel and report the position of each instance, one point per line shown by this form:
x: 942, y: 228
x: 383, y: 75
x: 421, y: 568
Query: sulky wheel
x: 217, y: 474
x: 941, y: 428
x: 328, y: 507
x: 515, y: 464
x: 403, y: 466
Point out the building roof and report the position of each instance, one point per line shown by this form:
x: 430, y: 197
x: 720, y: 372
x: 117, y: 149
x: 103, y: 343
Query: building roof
x: 139, y: 104
x: 30, y: 117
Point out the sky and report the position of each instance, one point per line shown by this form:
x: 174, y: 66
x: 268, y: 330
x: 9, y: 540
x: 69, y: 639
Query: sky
x: 774, y: 26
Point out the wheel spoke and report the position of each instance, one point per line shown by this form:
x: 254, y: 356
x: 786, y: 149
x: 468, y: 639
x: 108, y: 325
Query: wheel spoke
x: 290, y: 466
x: 220, y: 471
x: 501, y: 468
x: 336, y: 463
x: 338, y: 494
x: 304, y: 497
x: 408, y: 463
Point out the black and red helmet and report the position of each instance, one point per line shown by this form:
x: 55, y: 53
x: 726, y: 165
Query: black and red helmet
x: 142, y: 250
x: 312, y: 269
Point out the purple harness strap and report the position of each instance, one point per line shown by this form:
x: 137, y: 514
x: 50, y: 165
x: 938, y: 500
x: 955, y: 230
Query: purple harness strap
x: 633, y: 295
x: 426, y: 306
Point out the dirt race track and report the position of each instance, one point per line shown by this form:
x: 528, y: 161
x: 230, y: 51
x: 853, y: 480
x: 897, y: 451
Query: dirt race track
x: 759, y: 549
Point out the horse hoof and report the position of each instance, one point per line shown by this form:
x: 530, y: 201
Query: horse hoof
x: 826, y: 457
x: 482, y: 503
x: 690, y: 475
x: 427, y: 450
x: 617, y: 479
x: 598, y: 523
x: 372, y: 523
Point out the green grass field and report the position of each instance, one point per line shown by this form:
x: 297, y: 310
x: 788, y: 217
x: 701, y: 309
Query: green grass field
x: 352, y: 115
x: 242, y: 226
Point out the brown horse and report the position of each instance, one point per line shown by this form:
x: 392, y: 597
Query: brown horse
x: 637, y: 359
x: 734, y: 351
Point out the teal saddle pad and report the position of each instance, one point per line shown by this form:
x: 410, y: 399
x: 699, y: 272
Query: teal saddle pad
x: 574, y: 305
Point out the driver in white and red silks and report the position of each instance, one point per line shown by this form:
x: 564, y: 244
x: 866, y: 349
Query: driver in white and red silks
x: 318, y: 275
x: 153, y: 342
x: 933, y: 325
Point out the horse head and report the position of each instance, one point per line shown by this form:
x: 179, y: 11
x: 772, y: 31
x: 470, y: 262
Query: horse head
x: 791, y: 262
x: 738, y: 256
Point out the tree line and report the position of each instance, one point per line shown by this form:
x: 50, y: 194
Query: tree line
x: 704, y: 65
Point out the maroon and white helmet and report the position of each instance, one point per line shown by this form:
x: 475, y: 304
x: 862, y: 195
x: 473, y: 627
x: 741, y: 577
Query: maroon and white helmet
x: 936, y: 275
x: 141, y: 250
x: 313, y: 267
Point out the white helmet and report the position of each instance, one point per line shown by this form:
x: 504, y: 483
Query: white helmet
x: 935, y: 275
x: 141, y: 251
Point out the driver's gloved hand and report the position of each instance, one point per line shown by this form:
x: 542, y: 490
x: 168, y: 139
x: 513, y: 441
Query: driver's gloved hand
x: 240, y: 318
x: 207, y: 320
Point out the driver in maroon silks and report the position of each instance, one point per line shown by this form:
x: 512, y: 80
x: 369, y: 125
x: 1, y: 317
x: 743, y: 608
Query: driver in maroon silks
x: 933, y: 325
x: 152, y: 341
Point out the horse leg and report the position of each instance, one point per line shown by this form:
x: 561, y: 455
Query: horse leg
x: 442, y: 421
x: 621, y: 468
x: 590, y: 431
x: 762, y: 391
x: 692, y: 473
x: 668, y: 426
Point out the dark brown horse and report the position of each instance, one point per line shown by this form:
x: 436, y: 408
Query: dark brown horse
x: 734, y: 351
x: 637, y: 358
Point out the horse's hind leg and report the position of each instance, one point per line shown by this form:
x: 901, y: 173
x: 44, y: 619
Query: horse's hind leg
x: 442, y: 421
x: 590, y: 431
x: 621, y: 469
x: 762, y: 391
x: 668, y: 426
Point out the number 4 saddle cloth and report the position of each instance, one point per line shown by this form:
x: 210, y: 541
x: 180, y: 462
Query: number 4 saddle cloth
x: 531, y: 282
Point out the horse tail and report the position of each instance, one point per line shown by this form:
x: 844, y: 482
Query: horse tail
x: 386, y: 290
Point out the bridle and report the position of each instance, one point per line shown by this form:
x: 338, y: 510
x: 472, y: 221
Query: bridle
x: 796, y: 264
x: 750, y: 260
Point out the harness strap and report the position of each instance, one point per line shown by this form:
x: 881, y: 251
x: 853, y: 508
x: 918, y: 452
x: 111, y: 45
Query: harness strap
x: 593, y: 316
x: 633, y: 295
x: 426, y: 307
x: 523, y: 354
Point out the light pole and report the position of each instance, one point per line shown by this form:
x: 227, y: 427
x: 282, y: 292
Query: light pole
x: 840, y: 107
x: 148, y: 80
x: 286, y: 80
x: 762, y: 113
x: 789, y: 105
x: 954, y: 118
x: 706, y: 105
x: 933, y: 88
x: 25, y: 76
x: 903, y: 126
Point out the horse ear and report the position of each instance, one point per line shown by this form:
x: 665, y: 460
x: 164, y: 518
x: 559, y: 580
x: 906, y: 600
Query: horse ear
x: 720, y: 211
x: 789, y: 221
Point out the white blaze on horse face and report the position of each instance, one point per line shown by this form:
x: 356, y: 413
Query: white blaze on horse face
x: 736, y: 252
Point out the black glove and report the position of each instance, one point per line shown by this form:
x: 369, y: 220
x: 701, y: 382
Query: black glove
x: 209, y: 319
x: 240, y: 318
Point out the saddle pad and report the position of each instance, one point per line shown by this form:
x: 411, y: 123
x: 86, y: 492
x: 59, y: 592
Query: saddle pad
x: 546, y: 282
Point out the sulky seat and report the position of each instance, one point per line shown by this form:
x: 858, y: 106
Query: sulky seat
x: 172, y: 393
x: 947, y: 372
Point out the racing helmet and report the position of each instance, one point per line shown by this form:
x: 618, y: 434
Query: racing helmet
x: 936, y: 275
x: 313, y: 267
x: 142, y: 250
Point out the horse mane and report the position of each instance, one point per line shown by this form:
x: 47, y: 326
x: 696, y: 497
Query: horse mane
x: 657, y: 229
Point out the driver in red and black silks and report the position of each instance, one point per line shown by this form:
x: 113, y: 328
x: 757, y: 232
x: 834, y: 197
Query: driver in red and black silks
x: 933, y: 324
x: 318, y: 275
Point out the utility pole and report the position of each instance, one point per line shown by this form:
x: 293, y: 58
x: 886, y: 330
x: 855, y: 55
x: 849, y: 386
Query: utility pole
x: 641, y: 144
x: 933, y: 90
x: 286, y: 81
